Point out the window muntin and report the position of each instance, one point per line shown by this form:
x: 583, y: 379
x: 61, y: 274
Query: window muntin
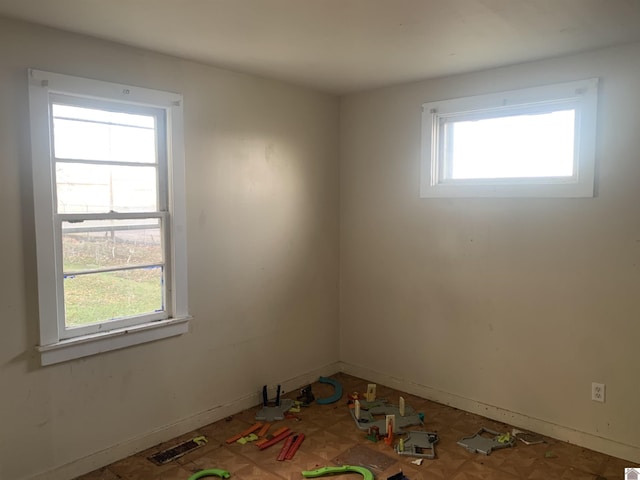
x: 532, y: 142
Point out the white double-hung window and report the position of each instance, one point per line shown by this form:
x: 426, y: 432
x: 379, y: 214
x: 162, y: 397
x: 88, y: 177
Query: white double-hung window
x: 534, y: 142
x: 108, y: 176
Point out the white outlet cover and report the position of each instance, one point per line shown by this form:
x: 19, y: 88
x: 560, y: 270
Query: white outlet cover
x: 597, y: 392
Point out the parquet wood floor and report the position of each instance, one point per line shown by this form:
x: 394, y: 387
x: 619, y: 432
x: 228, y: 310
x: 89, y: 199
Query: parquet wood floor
x: 330, y: 434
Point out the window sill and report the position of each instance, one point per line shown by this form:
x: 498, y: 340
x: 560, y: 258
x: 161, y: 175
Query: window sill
x: 113, y: 340
x: 577, y: 189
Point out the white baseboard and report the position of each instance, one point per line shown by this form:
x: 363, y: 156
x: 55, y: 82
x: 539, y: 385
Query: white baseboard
x: 559, y: 432
x: 166, y: 432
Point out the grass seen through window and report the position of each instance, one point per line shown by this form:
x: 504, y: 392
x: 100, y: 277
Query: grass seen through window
x: 98, y: 297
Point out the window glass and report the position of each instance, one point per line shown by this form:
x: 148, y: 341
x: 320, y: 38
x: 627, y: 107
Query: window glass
x: 519, y: 146
x: 90, y: 188
x: 94, y: 134
x: 100, y: 244
x: 101, y: 297
x: 106, y: 163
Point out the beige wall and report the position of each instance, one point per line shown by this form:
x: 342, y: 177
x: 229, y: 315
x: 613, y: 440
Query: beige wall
x: 262, y: 199
x: 506, y: 306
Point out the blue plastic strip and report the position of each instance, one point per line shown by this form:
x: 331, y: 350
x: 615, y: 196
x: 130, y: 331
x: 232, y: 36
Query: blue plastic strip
x: 337, y: 394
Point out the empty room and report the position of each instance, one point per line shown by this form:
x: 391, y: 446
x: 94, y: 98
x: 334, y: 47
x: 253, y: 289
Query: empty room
x: 374, y: 220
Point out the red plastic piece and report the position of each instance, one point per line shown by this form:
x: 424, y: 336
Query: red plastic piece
x: 389, y: 439
x: 285, y: 448
x: 263, y: 431
x: 294, y: 448
x: 275, y: 440
x: 262, y: 441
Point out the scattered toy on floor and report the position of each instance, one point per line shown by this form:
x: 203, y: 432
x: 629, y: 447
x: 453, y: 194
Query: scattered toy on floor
x: 371, y: 392
x: 528, y: 438
x: 337, y: 395
x: 370, y: 410
x: 273, y: 409
x: 277, y: 436
x: 480, y: 443
x: 390, y: 421
x: 245, y: 433
x: 306, y: 396
x: 373, y: 433
x: 211, y: 472
x: 418, y: 444
x: 320, y: 472
x: 263, y: 431
x: 252, y: 437
x: 290, y: 447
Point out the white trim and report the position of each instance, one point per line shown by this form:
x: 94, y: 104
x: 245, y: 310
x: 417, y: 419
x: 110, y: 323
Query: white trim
x: 78, y: 347
x: 167, y: 432
x: 583, y: 94
x: 100, y: 90
x: 57, y: 342
x: 178, y: 205
x: 559, y: 432
x: 43, y: 211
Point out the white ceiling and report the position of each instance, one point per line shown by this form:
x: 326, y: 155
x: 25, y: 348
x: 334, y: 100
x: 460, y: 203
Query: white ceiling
x: 342, y: 46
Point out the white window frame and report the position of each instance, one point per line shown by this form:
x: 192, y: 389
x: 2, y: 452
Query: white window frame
x: 581, y: 95
x: 56, y: 342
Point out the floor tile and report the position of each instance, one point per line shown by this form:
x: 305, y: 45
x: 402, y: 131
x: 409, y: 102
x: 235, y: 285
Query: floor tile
x: 331, y: 435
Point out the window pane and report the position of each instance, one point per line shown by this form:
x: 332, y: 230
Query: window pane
x: 521, y: 146
x: 96, y: 244
x: 99, y: 297
x: 84, y: 188
x: 92, y: 134
x: 98, y: 115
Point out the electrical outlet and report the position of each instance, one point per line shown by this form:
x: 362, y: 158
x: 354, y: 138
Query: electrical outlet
x: 597, y: 392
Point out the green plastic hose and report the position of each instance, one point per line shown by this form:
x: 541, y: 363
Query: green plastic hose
x: 332, y: 470
x: 212, y: 472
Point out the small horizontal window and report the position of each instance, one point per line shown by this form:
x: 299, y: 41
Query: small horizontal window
x: 536, y: 142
